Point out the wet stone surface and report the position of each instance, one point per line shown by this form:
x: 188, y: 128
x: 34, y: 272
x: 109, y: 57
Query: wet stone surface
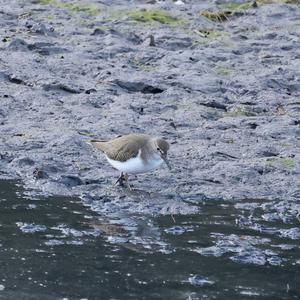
x: 225, y: 94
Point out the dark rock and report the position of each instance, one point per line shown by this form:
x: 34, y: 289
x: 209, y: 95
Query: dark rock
x: 89, y: 91
x: 38, y: 174
x: 39, y: 28
x: 134, y: 87
x: 149, y: 41
x: 199, y: 280
x: 14, y: 79
x: 71, y: 180
x: 214, y: 104
x: 98, y: 31
x: 18, y: 45
x: 63, y: 87
x: 24, y: 162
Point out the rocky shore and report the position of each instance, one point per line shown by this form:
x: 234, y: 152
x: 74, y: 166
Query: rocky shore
x: 219, y: 80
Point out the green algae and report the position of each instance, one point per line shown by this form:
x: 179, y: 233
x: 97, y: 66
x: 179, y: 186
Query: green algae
x: 292, y: 2
x: 159, y: 16
x: 89, y: 9
x: 224, y: 71
x: 225, y: 11
x: 240, y: 111
x: 287, y: 163
x: 139, y: 64
x: 216, y: 16
x: 262, y: 2
x: 209, y: 33
x: 229, y: 141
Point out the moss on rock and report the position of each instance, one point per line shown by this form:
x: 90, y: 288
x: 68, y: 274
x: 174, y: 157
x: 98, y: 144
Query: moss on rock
x: 159, y: 16
x: 89, y: 9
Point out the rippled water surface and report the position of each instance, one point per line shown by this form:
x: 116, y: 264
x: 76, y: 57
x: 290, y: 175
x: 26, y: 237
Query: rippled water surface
x: 55, y: 248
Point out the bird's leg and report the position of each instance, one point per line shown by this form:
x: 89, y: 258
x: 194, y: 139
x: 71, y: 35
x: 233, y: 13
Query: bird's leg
x: 120, y: 180
x: 123, y: 178
x: 126, y: 180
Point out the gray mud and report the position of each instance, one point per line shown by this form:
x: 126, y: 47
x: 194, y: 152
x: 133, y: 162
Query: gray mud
x: 225, y: 94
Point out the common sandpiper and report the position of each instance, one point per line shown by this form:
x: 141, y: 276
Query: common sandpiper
x: 134, y: 154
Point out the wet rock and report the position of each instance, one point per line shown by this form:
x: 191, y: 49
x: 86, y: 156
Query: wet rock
x: 14, y: 79
x: 54, y: 242
x: 296, y: 194
x: 199, y: 280
x: 270, y: 217
x: 223, y: 155
x: 134, y: 87
x: 63, y: 87
x: 267, y: 152
x: 38, y: 174
x: 293, y: 233
x: 39, y: 28
x: 24, y: 162
x: 245, y: 248
x: 31, y: 228
x: 229, y: 109
x: 176, y: 230
x: 149, y: 41
x: 98, y: 31
x: 256, y: 260
x: 214, y: 104
x: 175, y: 43
x: 71, y: 180
x: 46, y: 48
x: 275, y: 261
x: 211, y: 251
x: 18, y: 45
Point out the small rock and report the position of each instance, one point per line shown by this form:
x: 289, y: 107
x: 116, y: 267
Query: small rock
x: 200, y: 280
x: 98, y: 31
x: 149, y: 41
x: 176, y: 230
x: 71, y: 180
x: 179, y: 2
x: 31, y: 228
x: 38, y: 174
x: 292, y: 233
x: 18, y: 45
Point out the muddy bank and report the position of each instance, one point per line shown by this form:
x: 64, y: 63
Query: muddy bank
x: 223, y: 90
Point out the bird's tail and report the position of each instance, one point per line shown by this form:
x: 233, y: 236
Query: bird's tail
x: 98, y: 144
x: 97, y: 141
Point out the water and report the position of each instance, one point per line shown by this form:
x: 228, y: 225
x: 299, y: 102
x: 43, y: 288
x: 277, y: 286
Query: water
x: 56, y: 248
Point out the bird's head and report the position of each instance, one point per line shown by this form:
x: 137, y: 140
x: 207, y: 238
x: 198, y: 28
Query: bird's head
x: 161, y: 147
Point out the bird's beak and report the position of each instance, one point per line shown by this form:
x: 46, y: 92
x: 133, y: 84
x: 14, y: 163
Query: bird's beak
x: 164, y: 157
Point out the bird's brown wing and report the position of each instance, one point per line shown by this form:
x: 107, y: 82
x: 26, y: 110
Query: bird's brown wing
x: 100, y: 145
x: 122, y: 148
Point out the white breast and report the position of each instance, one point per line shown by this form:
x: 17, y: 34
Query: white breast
x: 136, y: 165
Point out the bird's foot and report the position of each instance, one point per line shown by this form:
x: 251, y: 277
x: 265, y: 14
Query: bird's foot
x: 123, y: 181
x: 120, y: 180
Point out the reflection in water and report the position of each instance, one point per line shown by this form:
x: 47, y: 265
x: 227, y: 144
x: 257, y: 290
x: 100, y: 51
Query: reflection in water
x: 58, y: 247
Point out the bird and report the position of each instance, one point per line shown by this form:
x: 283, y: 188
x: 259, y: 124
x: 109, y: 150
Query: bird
x: 133, y: 154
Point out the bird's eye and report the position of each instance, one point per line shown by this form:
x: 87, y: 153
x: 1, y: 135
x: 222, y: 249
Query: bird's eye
x: 157, y: 149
